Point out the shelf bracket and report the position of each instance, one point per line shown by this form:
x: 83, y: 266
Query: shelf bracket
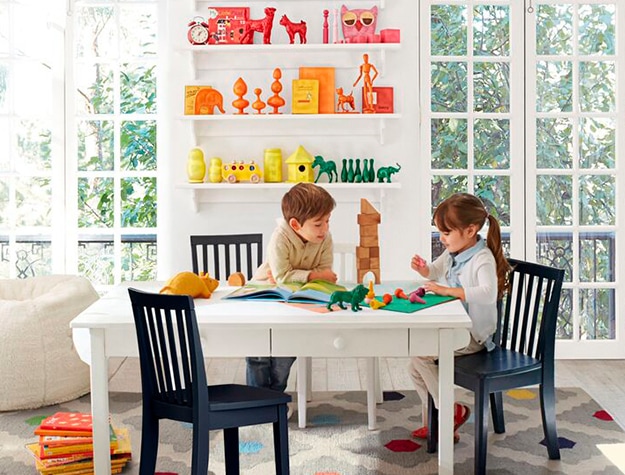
x: 195, y: 200
x: 383, y: 61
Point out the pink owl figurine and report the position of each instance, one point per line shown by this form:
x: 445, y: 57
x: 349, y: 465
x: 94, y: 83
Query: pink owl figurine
x: 359, y: 24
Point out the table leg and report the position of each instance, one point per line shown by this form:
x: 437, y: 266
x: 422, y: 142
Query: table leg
x: 446, y: 401
x: 302, y: 391
x: 372, y: 393
x: 100, y: 403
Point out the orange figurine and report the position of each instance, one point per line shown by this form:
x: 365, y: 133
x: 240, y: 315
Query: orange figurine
x: 258, y: 105
x: 276, y: 101
x: 365, y: 74
x: 400, y: 294
x: 240, y: 89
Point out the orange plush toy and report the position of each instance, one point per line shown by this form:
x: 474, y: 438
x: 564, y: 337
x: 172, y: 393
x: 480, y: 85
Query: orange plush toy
x: 188, y: 283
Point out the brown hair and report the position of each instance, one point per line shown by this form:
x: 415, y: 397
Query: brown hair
x: 306, y: 201
x: 461, y: 210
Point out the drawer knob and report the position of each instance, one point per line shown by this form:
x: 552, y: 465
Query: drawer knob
x: 339, y: 343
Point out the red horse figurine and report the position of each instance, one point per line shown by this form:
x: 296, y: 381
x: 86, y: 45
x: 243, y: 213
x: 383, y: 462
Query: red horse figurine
x: 294, y: 28
x: 264, y: 26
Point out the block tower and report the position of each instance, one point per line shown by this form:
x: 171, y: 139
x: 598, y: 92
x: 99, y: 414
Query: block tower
x: 368, y: 251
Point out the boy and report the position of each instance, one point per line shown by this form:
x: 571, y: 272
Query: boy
x: 300, y: 250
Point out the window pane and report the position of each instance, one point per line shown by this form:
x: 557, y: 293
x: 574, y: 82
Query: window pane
x: 96, y: 92
x: 554, y: 29
x: 4, y: 203
x: 597, y: 88
x: 4, y: 26
x: 95, y: 261
x: 597, y: 200
x: 95, y: 32
x: 491, y: 30
x: 597, y: 29
x: 449, y: 143
x: 37, y: 102
x: 96, y: 143
x: 554, y: 86
x: 33, y: 201
x: 33, y: 257
x: 4, y: 86
x: 138, y: 142
x: 449, y: 87
x: 597, y: 142
x: 138, y: 30
x: 449, y: 30
x: 554, y: 143
x: 138, y: 202
x: 556, y: 250
x: 444, y: 186
x: 491, y: 144
x: 597, y: 314
x: 554, y: 200
x: 34, y: 139
x: 596, y: 253
x: 491, y: 83
x: 139, y: 260
x: 495, y: 192
x: 137, y: 89
x: 95, y: 202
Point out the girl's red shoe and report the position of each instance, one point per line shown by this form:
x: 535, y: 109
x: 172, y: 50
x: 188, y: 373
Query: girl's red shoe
x: 461, y: 415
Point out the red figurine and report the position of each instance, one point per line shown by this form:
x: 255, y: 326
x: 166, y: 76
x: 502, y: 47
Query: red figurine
x: 325, y: 26
x: 263, y: 25
x: 293, y: 29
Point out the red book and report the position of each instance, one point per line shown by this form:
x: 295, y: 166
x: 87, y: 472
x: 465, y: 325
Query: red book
x: 66, y: 423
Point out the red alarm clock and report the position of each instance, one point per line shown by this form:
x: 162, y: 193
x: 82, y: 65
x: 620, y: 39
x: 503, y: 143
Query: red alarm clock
x: 198, y: 33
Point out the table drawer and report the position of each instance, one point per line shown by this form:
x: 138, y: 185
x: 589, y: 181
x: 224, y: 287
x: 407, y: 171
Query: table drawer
x: 424, y: 342
x: 339, y: 342
x: 235, y: 342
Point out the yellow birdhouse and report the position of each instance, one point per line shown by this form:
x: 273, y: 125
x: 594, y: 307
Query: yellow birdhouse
x: 299, y: 166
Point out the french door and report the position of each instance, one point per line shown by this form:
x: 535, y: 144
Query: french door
x: 522, y: 102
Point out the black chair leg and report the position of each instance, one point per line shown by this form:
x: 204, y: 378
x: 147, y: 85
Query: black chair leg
x: 149, y: 445
x: 548, y: 411
x: 281, y: 442
x: 231, y: 450
x: 432, y: 440
x: 496, y: 409
x: 481, y: 429
x: 199, y: 454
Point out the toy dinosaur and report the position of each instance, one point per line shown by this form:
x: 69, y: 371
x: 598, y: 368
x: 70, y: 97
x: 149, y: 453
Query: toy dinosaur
x: 353, y: 297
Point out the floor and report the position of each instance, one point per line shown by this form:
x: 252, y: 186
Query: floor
x: 603, y: 380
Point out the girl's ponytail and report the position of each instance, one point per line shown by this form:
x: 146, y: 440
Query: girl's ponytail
x: 493, y: 241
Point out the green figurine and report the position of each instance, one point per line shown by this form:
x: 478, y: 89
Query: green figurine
x: 329, y: 168
x: 387, y: 172
x: 353, y: 297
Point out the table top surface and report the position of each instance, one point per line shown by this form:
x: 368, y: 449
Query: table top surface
x: 113, y: 310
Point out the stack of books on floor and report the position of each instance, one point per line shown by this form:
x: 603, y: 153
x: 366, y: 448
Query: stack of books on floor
x: 65, y: 445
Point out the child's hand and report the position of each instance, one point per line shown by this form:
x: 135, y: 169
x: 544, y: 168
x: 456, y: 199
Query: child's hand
x: 418, y: 264
x: 325, y: 274
x: 270, y: 277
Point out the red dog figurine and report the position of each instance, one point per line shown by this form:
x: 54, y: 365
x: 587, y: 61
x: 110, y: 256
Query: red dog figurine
x: 294, y: 28
x: 264, y: 26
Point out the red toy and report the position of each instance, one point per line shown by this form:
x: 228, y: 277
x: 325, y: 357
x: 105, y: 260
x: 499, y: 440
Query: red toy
x: 263, y: 25
x: 293, y: 29
x: 400, y: 294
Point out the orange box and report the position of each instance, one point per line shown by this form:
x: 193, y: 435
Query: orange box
x: 325, y: 76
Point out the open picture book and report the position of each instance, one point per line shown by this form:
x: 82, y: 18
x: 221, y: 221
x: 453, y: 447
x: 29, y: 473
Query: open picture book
x: 315, y: 291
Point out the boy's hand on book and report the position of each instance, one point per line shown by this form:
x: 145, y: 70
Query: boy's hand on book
x: 270, y: 278
x: 326, y: 274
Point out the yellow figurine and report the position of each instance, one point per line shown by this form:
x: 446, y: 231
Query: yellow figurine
x: 188, y: 283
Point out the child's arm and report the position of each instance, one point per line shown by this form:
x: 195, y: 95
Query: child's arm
x: 418, y: 264
x: 324, y: 270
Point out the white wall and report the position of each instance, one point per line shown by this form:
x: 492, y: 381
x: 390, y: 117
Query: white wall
x: 405, y: 212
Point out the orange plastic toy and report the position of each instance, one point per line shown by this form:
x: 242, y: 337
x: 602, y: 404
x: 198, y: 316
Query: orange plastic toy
x: 240, y: 89
x: 276, y: 101
x: 400, y: 294
x: 365, y: 74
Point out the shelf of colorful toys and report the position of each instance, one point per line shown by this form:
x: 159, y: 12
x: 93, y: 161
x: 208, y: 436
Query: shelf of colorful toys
x: 267, y: 118
x: 381, y: 3
x: 200, y: 192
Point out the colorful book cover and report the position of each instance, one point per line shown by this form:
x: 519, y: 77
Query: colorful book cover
x: 325, y: 76
x: 382, y: 99
x: 66, y: 423
x: 305, y: 96
x: 226, y: 25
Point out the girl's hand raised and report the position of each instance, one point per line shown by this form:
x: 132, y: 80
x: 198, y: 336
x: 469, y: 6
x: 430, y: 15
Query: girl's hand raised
x: 418, y: 264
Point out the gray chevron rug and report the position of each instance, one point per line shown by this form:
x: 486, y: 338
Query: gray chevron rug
x: 337, y: 441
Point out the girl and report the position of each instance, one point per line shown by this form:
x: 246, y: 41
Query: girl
x: 472, y: 270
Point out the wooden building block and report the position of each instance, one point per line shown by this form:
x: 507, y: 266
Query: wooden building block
x: 367, y: 208
x: 374, y: 262
x: 364, y: 252
x: 376, y: 273
x: 374, y: 252
x: 363, y: 263
x: 368, y: 219
x: 369, y: 241
x: 369, y: 230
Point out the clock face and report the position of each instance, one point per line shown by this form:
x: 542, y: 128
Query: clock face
x: 198, y: 35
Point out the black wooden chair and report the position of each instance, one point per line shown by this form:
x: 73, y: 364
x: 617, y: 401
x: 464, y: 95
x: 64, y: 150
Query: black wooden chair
x: 524, y: 356
x: 173, y: 381
x: 221, y: 255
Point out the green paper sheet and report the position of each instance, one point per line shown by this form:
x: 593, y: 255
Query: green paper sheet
x: 404, y: 306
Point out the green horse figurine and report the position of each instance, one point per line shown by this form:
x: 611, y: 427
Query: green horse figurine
x: 353, y: 297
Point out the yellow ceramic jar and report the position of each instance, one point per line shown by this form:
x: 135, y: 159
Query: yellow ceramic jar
x: 214, y: 170
x: 196, y: 168
x: 272, y: 165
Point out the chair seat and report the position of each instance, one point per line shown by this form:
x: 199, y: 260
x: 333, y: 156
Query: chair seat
x: 499, y: 362
x: 227, y: 397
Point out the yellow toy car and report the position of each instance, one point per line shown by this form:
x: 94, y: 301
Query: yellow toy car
x: 241, y: 171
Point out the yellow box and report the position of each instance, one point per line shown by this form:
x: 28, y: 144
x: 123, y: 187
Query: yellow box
x: 305, y: 96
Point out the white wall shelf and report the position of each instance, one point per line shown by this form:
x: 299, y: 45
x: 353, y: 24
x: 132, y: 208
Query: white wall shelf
x: 267, y: 118
x: 201, y: 192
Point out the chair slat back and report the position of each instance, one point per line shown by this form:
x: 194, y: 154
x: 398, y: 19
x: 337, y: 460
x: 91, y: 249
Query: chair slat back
x: 170, y: 353
x: 531, y: 309
x: 222, y: 255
